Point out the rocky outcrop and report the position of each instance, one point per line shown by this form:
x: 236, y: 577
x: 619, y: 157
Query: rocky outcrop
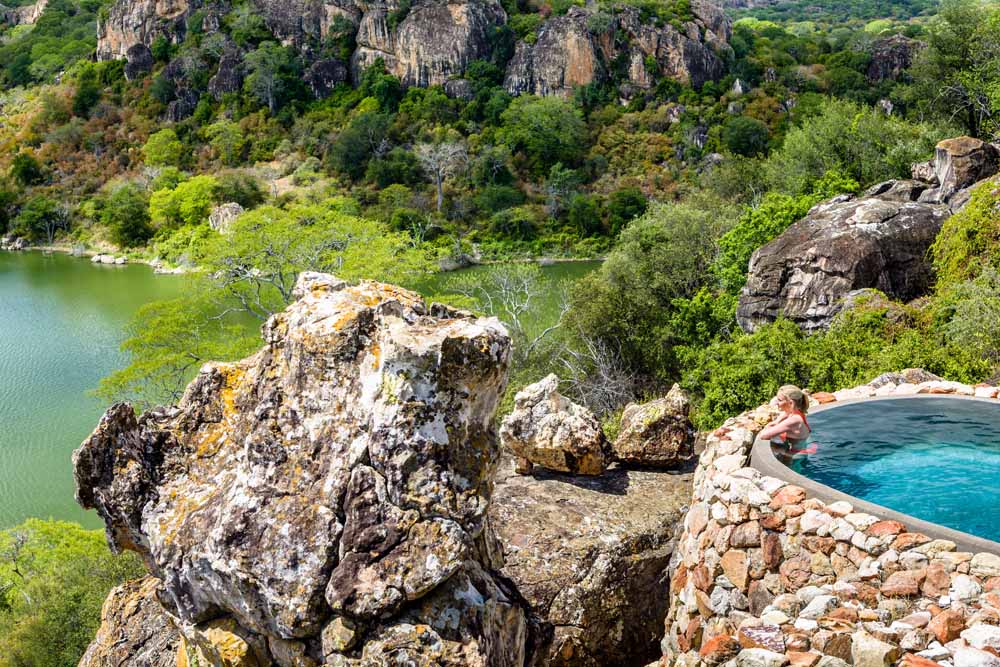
x: 222, y: 217
x: 138, y: 61
x: 547, y: 429
x: 891, y: 56
x: 658, y: 433
x: 305, y: 23
x: 23, y: 15
x: 324, y: 500
x: 435, y: 41
x: 324, y: 75
x: 568, y: 53
x: 879, y: 241
x: 767, y: 574
x: 135, y: 630
x: 228, y: 77
x: 131, y: 22
x: 13, y: 243
x: 589, y: 556
x: 963, y: 161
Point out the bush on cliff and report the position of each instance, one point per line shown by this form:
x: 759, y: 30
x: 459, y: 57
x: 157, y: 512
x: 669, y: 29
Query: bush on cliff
x: 969, y: 241
x: 54, y: 577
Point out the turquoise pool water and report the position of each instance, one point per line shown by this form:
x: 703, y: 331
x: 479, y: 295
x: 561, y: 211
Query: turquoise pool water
x: 934, y: 458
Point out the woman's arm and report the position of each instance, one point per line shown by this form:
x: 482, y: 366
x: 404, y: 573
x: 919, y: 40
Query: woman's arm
x: 782, y: 426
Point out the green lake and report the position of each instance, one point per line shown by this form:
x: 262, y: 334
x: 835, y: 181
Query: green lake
x: 61, y: 324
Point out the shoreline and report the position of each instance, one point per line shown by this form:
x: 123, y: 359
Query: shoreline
x: 88, y: 253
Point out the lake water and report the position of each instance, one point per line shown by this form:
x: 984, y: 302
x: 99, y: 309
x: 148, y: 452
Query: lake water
x: 61, y: 324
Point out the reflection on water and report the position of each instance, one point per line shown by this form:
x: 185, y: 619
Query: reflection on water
x: 62, y: 324
x: 934, y: 458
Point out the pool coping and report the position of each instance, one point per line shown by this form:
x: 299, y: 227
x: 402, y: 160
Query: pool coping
x: 762, y: 459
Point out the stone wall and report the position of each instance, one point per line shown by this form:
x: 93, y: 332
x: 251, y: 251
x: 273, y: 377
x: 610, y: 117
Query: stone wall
x: 765, y: 575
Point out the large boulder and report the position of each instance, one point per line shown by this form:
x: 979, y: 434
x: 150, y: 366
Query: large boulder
x: 222, y: 216
x: 570, y: 51
x: 326, y: 494
x: 138, y: 61
x: 658, y: 433
x: 228, y: 77
x: 132, y: 22
x: 324, y: 75
x: 589, y: 555
x: 962, y: 161
x: 135, y: 630
x: 547, y: 429
x: 876, y: 241
x: 891, y: 56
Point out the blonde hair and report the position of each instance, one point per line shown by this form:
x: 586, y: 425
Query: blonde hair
x: 796, y: 396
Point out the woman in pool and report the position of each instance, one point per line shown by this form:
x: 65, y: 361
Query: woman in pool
x: 791, y: 427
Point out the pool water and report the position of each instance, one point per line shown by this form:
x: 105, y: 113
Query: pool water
x: 934, y: 458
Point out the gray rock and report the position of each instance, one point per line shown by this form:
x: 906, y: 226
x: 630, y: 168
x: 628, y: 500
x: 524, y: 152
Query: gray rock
x: 657, y: 433
x: 183, y: 105
x: 135, y: 630
x: 891, y: 57
x: 590, y: 558
x: 841, y: 246
x: 342, y: 470
x: 138, y: 61
x: 228, y: 77
x: 325, y: 75
x: 223, y: 215
x: 547, y: 429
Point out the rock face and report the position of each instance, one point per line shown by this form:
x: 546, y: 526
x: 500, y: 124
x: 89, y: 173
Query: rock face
x: 323, y: 75
x: 589, y: 556
x: 877, y: 241
x: 228, y: 77
x: 325, y: 497
x: 568, y: 54
x: 135, y: 630
x: 25, y: 14
x: 657, y: 433
x: 435, y: 41
x: 962, y: 161
x: 138, y: 61
x: 222, y: 216
x: 549, y: 430
x: 131, y: 22
x: 891, y: 56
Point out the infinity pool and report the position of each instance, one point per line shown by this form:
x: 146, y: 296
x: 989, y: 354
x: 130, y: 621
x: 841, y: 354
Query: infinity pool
x: 936, y: 459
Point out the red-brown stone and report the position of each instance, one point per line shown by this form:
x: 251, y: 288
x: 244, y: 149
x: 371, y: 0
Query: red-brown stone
x: 911, y: 660
x: 937, y: 582
x: 947, y: 625
x: 792, y: 511
x: 903, y: 584
x: 795, y: 572
x: 824, y: 397
x: 887, y: 527
x: 824, y: 545
x: 770, y: 546
x: 787, y: 495
x: 719, y: 649
x: 679, y: 580
x: 802, y: 658
x: 701, y: 578
x: 774, y: 521
x: 906, y: 541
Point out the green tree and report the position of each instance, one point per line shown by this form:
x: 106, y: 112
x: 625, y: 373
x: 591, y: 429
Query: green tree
x: 366, y: 136
x: 265, y: 81
x: 126, y: 215
x: 546, y: 129
x: 624, y: 206
x: 228, y: 141
x: 187, y: 204
x: 26, y: 170
x: 584, y: 215
x: 88, y: 92
x: 54, y: 577
x: 40, y: 218
x: 745, y: 136
x: 163, y: 149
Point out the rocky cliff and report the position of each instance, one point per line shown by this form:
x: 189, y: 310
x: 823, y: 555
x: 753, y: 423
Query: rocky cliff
x: 431, y: 42
x: 577, y: 50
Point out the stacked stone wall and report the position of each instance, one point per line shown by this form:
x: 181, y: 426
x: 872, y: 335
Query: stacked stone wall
x: 764, y: 575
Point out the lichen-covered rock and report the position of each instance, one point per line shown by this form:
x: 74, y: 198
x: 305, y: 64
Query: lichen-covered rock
x: 962, y: 161
x: 842, y: 245
x: 590, y: 558
x: 549, y: 430
x: 222, y: 216
x: 343, y: 471
x: 183, y: 105
x: 658, y: 433
x: 568, y: 53
x: 135, y: 631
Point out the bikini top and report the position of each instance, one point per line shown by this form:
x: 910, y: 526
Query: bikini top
x: 796, y: 441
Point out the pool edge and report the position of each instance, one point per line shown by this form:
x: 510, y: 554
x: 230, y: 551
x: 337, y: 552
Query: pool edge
x: 763, y: 460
